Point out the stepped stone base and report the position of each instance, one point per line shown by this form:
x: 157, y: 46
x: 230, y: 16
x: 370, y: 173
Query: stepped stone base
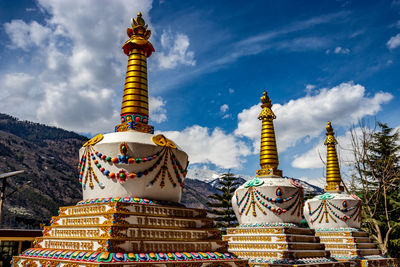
x: 354, y: 245
x: 280, y: 244
x: 128, y: 231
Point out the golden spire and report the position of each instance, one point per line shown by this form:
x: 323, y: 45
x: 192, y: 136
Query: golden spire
x: 268, y: 152
x: 333, y: 178
x: 135, y: 103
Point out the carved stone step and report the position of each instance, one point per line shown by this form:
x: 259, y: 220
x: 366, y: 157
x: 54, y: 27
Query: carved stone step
x: 132, y: 220
x: 345, y: 240
x: 335, y: 246
x: 354, y: 252
x: 134, y: 233
x: 271, y: 238
x: 270, y: 230
x: 124, y: 245
x: 275, y: 246
x: 271, y: 254
x: 136, y: 209
x: 341, y: 234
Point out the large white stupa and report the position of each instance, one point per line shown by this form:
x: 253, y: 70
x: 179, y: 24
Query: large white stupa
x: 132, y: 183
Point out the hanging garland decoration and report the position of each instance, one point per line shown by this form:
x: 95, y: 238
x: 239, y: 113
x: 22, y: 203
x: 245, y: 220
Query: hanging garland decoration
x: 163, y: 155
x: 254, y: 198
x: 326, y: 208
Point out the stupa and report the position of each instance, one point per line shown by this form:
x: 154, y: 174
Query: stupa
x: 132, y: 183
x: 336, y: 217
x: 269, y: 209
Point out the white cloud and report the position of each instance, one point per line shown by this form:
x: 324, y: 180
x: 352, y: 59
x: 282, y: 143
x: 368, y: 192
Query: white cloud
x: 309, y: 88
x: 231, y: 91
x: 312, y: 158
x: 305, y: 117
x: 216, y: 147
x: 224, y: 108
x: 341, y: 50
x: 303, y: 44
x: 19, y: 90
x: 394, y: 42
x: 25, y: 35
x: 249, y: 126
x: 174, y: 51
x: 157, y: 109
x: 77, y: 63
x: 316, y: 156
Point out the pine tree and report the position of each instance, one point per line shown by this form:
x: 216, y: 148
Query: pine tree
x: 385, y: 163
x: 222, y: 207
x: 378, y: 169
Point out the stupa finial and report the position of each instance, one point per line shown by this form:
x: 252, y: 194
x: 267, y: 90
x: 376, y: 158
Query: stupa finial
x: 268, y: 151
x: 135, y: 102
x: 333, y: 178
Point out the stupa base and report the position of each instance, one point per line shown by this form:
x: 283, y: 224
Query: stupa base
x: 307, y: 262
x: 128, y: 232
x: 61, y: 258
x: 381, y: 262
x: 352, y: 244
x: 278, y: 244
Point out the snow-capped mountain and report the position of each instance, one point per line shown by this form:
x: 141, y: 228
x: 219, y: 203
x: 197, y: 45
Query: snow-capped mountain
x: 211, y: 177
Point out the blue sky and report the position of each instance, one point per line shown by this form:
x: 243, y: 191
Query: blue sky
x: 62, y: 64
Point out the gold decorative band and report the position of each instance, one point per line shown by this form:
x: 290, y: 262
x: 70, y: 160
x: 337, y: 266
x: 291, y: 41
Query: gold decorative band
x: 136, y: 110
x: 136, y: 85
x: 138, y: 74
x: 136, y: 61
x: 136, y: 55
x: 140, y: 98
x: 135, y: 103
x: 135, y: 91
x: 134, y: 67
x: 136, y: 79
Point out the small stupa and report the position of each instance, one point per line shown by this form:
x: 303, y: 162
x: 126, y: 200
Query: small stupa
x: 336, y: 217
x: 132, y: 183
x: 269, y: 209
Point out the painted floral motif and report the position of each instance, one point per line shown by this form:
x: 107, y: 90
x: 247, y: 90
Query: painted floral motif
x: 253, y: 183
x: 326, y: 196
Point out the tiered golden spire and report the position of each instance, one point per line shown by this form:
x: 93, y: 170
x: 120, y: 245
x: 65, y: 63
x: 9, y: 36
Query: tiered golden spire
x: 333, y: 178
x: 135, y: 104
x: 268, y: 152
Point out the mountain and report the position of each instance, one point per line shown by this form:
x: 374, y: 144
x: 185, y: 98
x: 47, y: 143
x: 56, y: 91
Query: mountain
x: 211, y: 177
x: 49, y: 156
